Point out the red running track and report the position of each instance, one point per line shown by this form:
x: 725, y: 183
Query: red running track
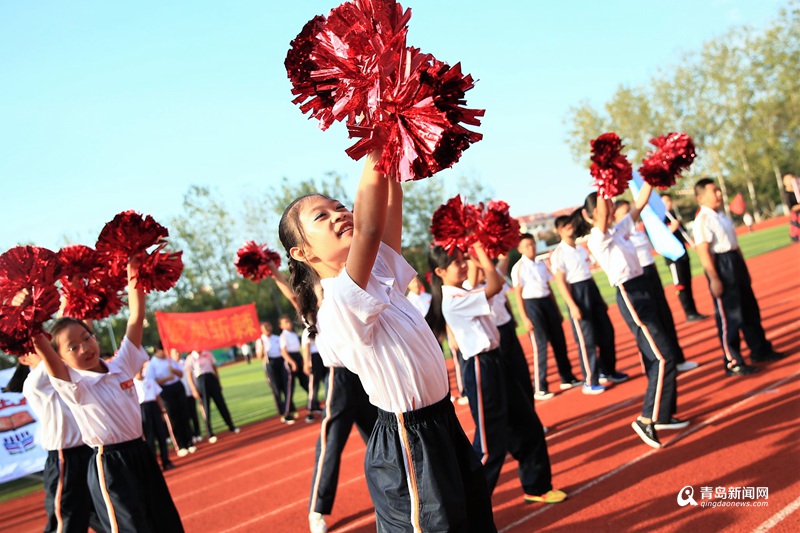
x: 744, y: 433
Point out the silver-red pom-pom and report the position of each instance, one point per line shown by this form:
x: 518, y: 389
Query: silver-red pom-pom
x: 674, y: 153
x: 256, y: 261
x: 354, y: 66
x: 498, y: 231
x: 610, y: 168
x: 90, y: 289
x: 35, y: 270
x: 130, y: 234
x: 453, y: 225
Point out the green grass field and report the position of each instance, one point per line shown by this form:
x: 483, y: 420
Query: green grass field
x: 250, y: 400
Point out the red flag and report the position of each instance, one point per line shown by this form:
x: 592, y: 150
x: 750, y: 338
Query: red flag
x: 738, y: 206
x: 208, y: 330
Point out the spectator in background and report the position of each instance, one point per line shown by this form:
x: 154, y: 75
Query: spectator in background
x: 417, y: 295
x: 791, y: 186
x: 247, y: 353
x: 206, y: 386
x: 153, y: 426
x: 681, y: 268
x: 167, y: 374
x: 191, y: 403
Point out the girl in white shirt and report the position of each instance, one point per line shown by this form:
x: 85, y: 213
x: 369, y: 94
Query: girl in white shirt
x: 126, y: 484
x: 421, y: 471
x: 505, y: 420
x: 644, y: 252
x: 616, y: 255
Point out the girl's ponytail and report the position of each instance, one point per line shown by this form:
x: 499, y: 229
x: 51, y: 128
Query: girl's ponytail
x: 303, y: 281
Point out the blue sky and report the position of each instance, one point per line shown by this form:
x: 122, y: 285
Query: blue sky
x: 108, y: 106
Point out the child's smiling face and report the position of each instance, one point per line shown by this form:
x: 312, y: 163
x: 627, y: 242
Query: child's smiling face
x: 327, y: 229
x: 78, y: 347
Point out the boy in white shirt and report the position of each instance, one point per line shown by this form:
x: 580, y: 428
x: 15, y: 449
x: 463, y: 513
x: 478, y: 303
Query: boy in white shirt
x: 541, y: 316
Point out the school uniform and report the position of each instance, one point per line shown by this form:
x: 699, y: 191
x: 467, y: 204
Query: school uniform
x: 203, y: 369
x: 421, y: 471
x: 279, y: 375
x: 421, y: 301
x: 346, y: 403
x: 643, y: 251
x: 616, y: 254
x: 505, y: 419
x: 509, y: 341
x: 127, y: 487
x: 174, y: 398
x: 290, y: 341
x: 594, y: 333
x: 67, y: 499
x: 153, y: 426
x: 737, y: 310
x: 681, y: 270
x: 540, y: 307
x: 191, y: 404
x: 318, y: 372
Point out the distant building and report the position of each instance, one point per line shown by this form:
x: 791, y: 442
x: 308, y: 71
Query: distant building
x: 542, y: 226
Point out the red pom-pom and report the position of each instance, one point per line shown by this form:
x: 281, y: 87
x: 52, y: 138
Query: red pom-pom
x: 128, y: 234
x: 611, y: 170
x: 91, y: 286
x: 160, y: 271
x: 355, y: 65
x: 498, y: 231
x: 453, y: 225
x: 253, y: 261
x: 15, y: 339
x: 24, y: 267
x: 674, y: 153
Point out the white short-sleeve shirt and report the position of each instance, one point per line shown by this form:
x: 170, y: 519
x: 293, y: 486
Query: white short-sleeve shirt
x: 533, y: 276
x: 147, y: 390
x: 615, y: 253
x: 57, y: 425
x: 105, y: 405
x: 290, y: 341
x: 306, y: 340
x: 159, y: 368
x: 573, y: 261
x: 271, y: 345
x: 380, y: 336
x: 469, y: 315
x: 643, y: 247
x: 498, y: 302
x: 421, y: 301
x: 715, y: 228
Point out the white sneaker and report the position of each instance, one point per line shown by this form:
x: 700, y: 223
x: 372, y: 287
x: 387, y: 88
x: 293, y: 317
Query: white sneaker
x: 316, y: 523
x: 212, y: 439
x: 463, y: 400
x: 192, y: 449
x: 543, y: 395
x: 183, y: 452
x: 686, y: 366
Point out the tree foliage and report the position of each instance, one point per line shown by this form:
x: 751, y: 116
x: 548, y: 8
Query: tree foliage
x: 738, y: 96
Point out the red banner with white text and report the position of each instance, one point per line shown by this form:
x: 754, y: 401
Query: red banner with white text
x: 208, y: 330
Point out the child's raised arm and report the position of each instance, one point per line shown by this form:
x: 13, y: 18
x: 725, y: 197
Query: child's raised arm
x: 393, y: 233
x: 283, y: 286
x: 494, y: 281
x: 600, y: 220
x: 369, y: 219
x: 135, y: 329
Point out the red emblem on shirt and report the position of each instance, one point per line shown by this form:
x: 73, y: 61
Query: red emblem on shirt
x: 125, y: 385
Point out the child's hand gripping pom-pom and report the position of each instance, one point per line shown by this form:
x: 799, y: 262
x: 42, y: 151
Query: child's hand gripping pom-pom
x: 498, y: 231
x: 254, y: 261
x: 355, y: 65
x: 32, y: 271
x: 453, y: 225
x: 674, y: 153
x: 610, y: 168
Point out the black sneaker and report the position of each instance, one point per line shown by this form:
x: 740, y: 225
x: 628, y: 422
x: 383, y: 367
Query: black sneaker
x: 309, y: 418
x: 168, y: 466
x: 740, y: 370
x: 695, y: 317
x: 768, y: 357
x: 674, y: 423
x: 288, y: 419
x: 647, y: 432
x: 574, y: 382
